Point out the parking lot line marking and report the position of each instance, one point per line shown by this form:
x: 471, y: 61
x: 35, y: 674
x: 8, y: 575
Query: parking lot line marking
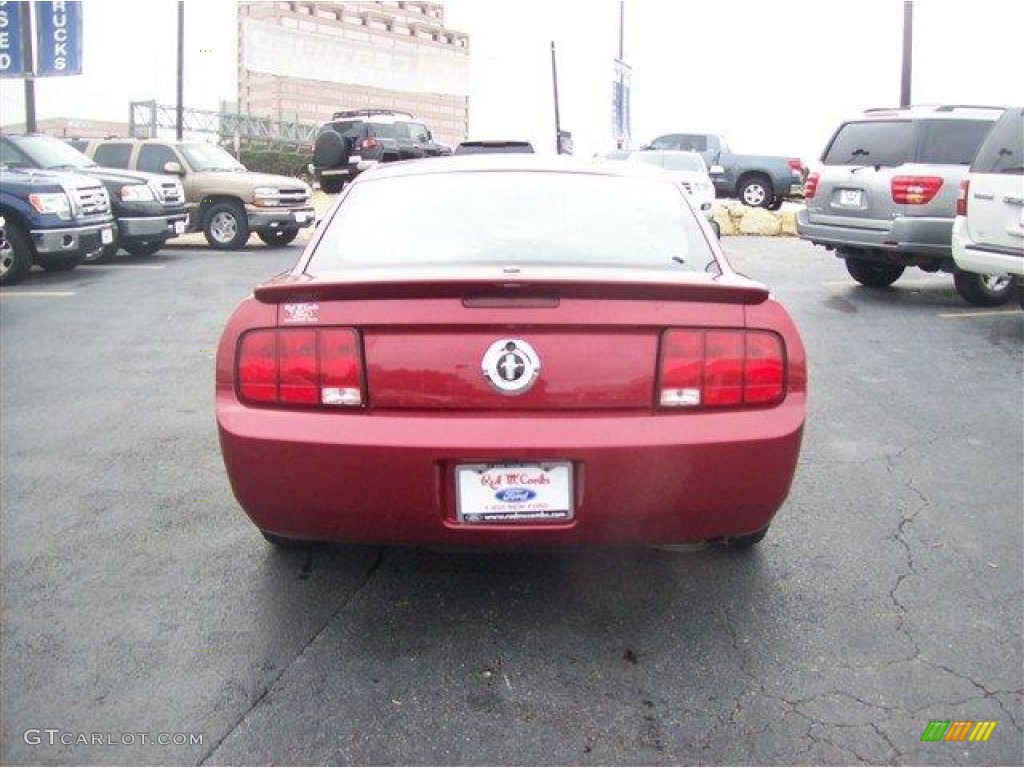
x: 986, y: 313
x: 122, y: 266
x: 38, y: 294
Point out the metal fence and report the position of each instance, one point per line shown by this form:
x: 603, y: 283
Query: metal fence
x: 146, y: 118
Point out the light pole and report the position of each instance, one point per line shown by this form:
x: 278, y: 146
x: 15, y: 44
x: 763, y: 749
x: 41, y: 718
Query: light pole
x: 908, y: 51
x: 179, y: 123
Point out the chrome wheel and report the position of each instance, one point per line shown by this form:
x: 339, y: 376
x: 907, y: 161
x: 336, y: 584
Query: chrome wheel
x: 995, y: 283
x: 984, y: 290
x: 756, y: 192
x: 224, y: 227
x: 6, y: 256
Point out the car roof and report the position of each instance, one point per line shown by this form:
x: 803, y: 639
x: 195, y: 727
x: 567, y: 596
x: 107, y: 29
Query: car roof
x: 498, y: 161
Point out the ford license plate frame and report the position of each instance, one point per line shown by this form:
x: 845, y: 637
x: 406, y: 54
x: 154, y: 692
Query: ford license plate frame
x: 519, y: 493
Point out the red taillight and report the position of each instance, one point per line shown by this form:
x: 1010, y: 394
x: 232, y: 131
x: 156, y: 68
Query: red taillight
x: 811, y: 186
x: 369, y: 143
x: 300, y: 366
x: 961, y: 197
x: 796, y: 165
x: 914, y: 190
x: 715, y: 369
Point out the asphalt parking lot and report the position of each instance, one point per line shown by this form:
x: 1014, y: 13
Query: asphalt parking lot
x: 140, y: 606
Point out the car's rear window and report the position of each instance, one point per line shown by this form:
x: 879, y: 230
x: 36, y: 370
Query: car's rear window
x: 1003, y: 149
x: 875, y: 142
x: 895, y: 142
x: 950, y: 142
x: 514, y: 218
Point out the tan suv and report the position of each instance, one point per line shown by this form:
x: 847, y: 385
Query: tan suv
x: 225, y: 201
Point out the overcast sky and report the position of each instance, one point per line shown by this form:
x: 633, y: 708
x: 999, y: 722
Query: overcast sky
x: 773, y: 77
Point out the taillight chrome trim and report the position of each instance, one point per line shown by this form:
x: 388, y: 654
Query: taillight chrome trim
x: 961, y: 197
x: 811, y: 185
x: 311, y: 379
x: 728, y: 392
x: 915, y: 190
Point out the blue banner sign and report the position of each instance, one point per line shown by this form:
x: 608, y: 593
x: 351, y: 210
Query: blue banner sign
x: 12, y: 50
x: 58, y: 38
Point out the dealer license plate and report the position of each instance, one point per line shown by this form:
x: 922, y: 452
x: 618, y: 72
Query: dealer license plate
x: 106, y: 235
x: 850, y: 197
x: 179, y: 227
x: 514, y: 493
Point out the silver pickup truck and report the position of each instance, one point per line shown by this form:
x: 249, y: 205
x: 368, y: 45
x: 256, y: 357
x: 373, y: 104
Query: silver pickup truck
x: 757, y: 180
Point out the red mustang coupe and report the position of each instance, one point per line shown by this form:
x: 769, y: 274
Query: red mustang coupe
x: 510, y: 350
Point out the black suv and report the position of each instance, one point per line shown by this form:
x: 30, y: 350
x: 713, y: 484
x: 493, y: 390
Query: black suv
x: 357, y: 139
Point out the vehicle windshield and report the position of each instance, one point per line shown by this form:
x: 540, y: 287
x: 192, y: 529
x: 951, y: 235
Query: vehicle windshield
x: 210, y: 157
x: 514, y: 218
x: 53, y: 154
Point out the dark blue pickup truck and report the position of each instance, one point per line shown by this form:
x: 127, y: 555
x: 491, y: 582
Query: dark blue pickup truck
x: 51, y: 219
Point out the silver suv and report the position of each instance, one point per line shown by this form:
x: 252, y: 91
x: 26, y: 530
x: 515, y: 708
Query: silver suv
x: 884, y: 195
x: 988, y: 234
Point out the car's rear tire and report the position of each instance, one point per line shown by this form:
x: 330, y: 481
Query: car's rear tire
x: 873, y: 274
x: 283, y: 542
x: 739, y: 543
x: 226, y: 226
x: 16, y: 254
x: 331, y: 185
x: 755, y: 191
x: 984, y: 290
x: 277, y: 237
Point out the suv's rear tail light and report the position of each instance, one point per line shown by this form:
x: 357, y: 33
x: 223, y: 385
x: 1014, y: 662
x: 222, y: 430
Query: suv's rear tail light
x: 796, y: 165
x: 368, y: 143
x: 811, y: 186
x: 961, y: 197
x: 915, y: 190
x: 307, y: 367
x: 716, y: 369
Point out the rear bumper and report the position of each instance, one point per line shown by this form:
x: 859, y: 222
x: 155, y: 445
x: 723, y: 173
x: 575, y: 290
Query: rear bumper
x: 348, y: 171
x: 973, y: 257
x: 389, y: 477
x: 905, y: 235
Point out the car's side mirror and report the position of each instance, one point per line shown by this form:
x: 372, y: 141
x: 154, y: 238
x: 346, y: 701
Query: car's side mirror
x: 173, y: 166
x: 716, y: 170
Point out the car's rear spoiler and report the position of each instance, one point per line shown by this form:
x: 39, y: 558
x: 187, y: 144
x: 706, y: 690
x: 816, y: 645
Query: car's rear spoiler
x: 730, y: 289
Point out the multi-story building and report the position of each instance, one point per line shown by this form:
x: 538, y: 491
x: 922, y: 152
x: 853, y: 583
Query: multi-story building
x: 306, y: 60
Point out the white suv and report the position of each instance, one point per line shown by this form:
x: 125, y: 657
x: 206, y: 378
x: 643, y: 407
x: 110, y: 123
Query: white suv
x: 988, y: 232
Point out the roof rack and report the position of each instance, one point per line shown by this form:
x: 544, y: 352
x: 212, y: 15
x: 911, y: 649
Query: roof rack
x: 951, y: 107
x: 936, y: 107
x: 367, y: 113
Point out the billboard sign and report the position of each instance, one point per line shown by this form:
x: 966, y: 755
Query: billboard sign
x: 58, y: 38
x: 307, y: 55
x: 12, y: 50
